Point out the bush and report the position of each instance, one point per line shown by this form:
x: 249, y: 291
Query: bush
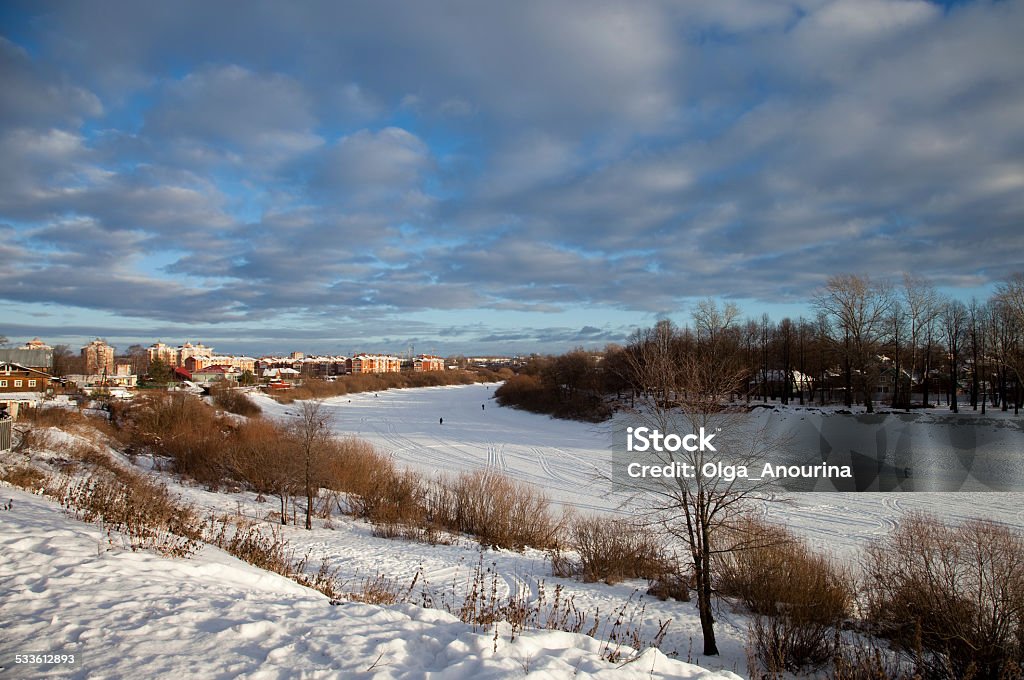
x: 183, y: 428
x: 500, y: 512
x: 612, y: 550
x: 235, y: 401
x: 799, y: 598
x: 532, y: 393
x: 951, y: 597
x: 25, y: 476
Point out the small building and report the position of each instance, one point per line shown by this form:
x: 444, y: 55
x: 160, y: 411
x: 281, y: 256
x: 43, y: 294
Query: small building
x: 215, y: 374
x: 17, y: 378
x: 21, y: 386
x: 277, y: 375
x: 39, y: 358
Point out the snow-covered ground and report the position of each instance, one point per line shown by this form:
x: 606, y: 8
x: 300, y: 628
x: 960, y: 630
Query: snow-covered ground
x: 122, y: 614
x: 211, y: 616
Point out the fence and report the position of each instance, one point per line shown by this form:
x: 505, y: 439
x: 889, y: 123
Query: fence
x: 5, y: 434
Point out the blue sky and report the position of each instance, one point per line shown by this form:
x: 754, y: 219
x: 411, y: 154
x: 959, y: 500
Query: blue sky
x: 493, y: 177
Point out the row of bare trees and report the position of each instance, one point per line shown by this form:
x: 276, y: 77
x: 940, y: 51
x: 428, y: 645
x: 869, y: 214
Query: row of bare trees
x: 905, y: 344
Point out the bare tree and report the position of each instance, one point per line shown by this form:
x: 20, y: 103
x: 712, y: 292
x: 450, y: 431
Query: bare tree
x: 66, y: 362
x: 1011, y: 294
x: 138, y: 357
x: 311, y: 434
x: 921, y: 302
x: 859, y: 307
x: 700, y: 508
x: 977, y: 320
x: 954, y: 322
x: 1010, y: 297
x: 897, y: 322
x: 1004, y: 345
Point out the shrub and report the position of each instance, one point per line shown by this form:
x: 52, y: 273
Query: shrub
x: 532, y: 393
x: 951, y: 597
x: 183, y: 428
x: 235, y: 401
x: 865, y: 660
x: 612, y: 550
x: 500, y: 512
x: 799, y: 598
x: 258, y: 454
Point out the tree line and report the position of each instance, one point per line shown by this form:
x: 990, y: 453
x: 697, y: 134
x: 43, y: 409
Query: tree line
x: 869, y: 342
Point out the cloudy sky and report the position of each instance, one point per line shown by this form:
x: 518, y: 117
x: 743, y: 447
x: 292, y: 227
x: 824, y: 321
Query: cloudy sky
x: 492, y: 177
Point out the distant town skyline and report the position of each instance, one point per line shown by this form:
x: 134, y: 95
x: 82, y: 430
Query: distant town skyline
x: 493, y: 178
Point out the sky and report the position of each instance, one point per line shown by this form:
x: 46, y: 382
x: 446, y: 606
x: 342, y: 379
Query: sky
x: 492, y: 178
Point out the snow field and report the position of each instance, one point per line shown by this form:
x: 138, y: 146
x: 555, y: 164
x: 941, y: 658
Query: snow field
x: 126, y: 614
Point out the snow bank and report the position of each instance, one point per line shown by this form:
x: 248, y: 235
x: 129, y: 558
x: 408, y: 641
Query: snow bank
x: 127, y: 614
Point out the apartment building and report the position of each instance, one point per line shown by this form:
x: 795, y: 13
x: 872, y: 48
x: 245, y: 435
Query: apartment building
x: 98, y: 358
x: 374, y: 363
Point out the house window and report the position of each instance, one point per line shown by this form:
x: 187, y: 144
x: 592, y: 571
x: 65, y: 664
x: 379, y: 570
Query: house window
x: 3, y: 383
x: 17, y: 383
x: 31, y: 383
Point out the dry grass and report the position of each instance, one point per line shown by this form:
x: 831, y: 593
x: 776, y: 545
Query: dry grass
x: 480, y: 603
x: 865, y: 660
x: 235, y: 401
x: 134, y: 510
x: 24, y: 476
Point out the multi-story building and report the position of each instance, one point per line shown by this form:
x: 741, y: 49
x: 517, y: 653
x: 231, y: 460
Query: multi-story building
x: 323, y: 366
x: 197, y: 363
x: 427, y: 362
x: 177, y: 356
x: 37, y: 345
x: 98, y: 357
x: 158, y: 351
x: 197, y: 350
x: 374, y: 363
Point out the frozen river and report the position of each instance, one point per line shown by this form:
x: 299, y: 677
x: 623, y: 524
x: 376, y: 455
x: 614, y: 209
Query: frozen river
x: 571, y: 461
